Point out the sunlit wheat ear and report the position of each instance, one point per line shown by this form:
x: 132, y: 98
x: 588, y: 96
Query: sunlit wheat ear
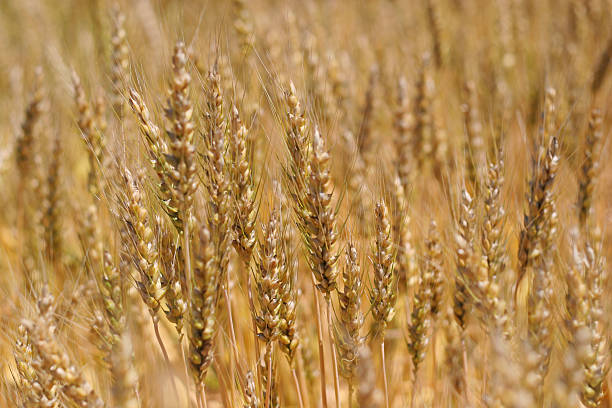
x: 347, y: 335
x: 144, y: 254
x: 383, y: 293
x: 474, y: 145
x: 216, y: 168
x: 492, y: 239
x: 288, y: 336
x: 403, y: 123
x: 406, y: 262
x: 422, y: 131
x: 540, y: 203
x: 297, y: 142
x: 365, y: 142
x: 52, y: 206
x: 118, y: 339
x: 465, y: 258
x: 36, y: 385
x: 244, y: 194
x: 173, y: 156
x: 203, y: 308
x: 180, y: 133
x: 119, y: 61
x: 590, y: 167
x: 251, y: 400
x: 111, y: 293
x: 268, y: 280
x: 420, y: 323
x: 92, y: 243
x: 93, y: 139
x: 597, y: 361
x: 318, y: 225
x: 542, y: 242
x: 433, y: 269
x: 268, y: 284
x: 56, y: 362
x: 25, y: 141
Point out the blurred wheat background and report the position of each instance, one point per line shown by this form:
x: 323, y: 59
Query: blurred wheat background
x: 318, y: 203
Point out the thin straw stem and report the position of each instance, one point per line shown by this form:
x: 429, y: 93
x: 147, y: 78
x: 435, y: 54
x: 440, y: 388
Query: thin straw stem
x: 165, y: 354
x: 297, y: 387
x: 333, y: 351
x: 384, y: 370
x: 315, y: 295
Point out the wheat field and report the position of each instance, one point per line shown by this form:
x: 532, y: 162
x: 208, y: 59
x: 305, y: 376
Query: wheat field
x: 317, y: 203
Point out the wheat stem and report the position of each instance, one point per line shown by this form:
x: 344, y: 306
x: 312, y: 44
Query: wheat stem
x: 234, y: 355
x: 333, y: 351
x: 384, y: 370
x: 249, y: 284
x: 269, y: 350
x: 297, y: 387
x: 300, y: 373
x: 165, y: 354
x: 315, y: 295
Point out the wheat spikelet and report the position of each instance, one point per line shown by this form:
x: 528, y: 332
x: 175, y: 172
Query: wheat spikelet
x: 473, y: 146
x: 268, y: 286
x: 596, y: 362
x: 539, y: 203
x: 250, y: 394
x: 92, y: 137
x: 37, y: 386
x: 347, y: 332
x: 144, y: 255
x: 25, y: 141
x: 433, y: 269
x: 464, y: 258
x: 203, y: 307
x: 119, y: 60
x: 492, y: 240
x: 420, y: 322
x: 288, y: 337
x: 422, y: 131
x: 181, y: 152
x: 590, y: 167
x: 243, y: 189
x: 406, y: 264
x: 403, y: 123
x: 57, y: 363
x: 384, y: 286
x: 216, y: 169
x: 51, y: 219
x: 319, y: 228
x: 365, y: 144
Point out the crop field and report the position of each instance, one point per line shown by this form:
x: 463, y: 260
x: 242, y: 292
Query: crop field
x: 308, y: 204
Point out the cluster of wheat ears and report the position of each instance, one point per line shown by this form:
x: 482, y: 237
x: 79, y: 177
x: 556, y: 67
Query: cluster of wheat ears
x: 319, y: 203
